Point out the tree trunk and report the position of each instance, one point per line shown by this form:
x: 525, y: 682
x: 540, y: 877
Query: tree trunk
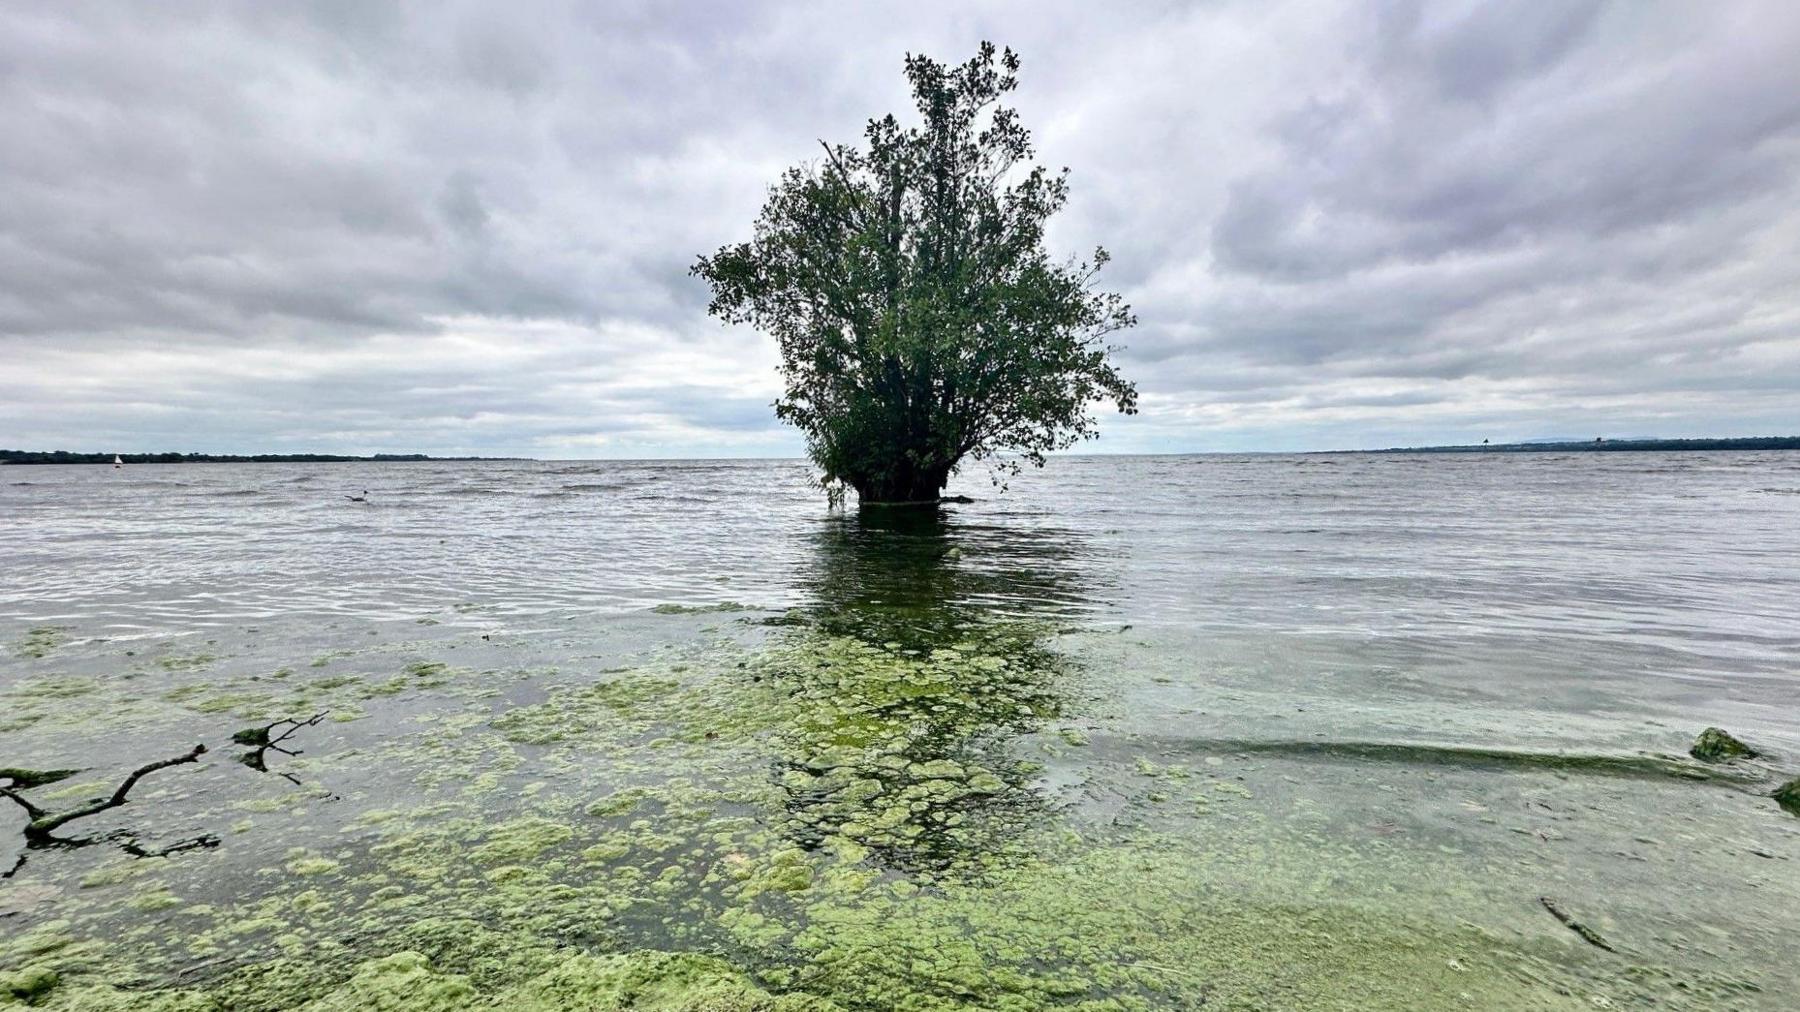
x: 907, y: 488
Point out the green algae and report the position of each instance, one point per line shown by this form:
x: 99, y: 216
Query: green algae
x: 594, y: 708
x: 83, y: 790
x: 428, y: 673
x: 904, y: 750
x: 284, y: 802
x: 158, y: 898
x: 29, y: 984
x: 700, y: 609
x: 115, y: 874
x: 25, y: 779
x: 840, y: 820
x: 301, y: 862
x: 1080, y: 924
x: 39, y: 641
x: 645, y: 981
x: 618, y: 802
x: 54, y: 687
x: 197, y: 661
x: 656, y: 982
x: 256, y: 698
x: 521, y: 840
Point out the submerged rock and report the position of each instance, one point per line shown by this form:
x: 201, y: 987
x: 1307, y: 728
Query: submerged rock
x: 253, y: 736
x: 1788, y: 796
x: 1715, y: 744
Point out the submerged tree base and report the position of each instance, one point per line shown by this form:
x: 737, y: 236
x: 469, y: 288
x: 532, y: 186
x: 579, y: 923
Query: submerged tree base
x: 933, y: 501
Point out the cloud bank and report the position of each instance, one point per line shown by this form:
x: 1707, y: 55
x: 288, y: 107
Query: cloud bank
x: 457, y: 228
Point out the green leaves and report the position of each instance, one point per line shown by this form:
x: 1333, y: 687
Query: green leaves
x: 920, y: 319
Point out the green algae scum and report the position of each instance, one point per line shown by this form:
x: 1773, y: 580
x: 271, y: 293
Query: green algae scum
x: 895, y: 795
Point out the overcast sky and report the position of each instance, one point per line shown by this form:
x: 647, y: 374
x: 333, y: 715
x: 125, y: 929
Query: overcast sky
x: 450, y: 228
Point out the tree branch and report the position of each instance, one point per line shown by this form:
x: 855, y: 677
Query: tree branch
x: 259, y: 737
x: 32, y: 811
x: 44, y: 824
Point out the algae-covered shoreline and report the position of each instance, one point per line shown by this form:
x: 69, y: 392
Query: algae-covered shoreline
x: 898, y: 796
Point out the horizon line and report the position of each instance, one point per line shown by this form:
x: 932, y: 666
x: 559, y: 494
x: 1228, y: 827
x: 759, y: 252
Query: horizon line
x: 418, y: 457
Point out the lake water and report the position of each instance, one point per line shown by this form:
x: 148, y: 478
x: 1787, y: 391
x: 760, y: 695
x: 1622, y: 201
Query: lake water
x: 1397, y: 698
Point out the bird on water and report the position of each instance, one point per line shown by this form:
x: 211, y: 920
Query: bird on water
x: 359, y: 498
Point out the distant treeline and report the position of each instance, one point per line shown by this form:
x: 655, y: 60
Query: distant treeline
x: 65, y: 457
x: 1746, y: 443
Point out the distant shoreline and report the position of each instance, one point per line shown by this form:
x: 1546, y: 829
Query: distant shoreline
x: 1569, y: 446
x: 66, y: 457
x: 1607, y: 445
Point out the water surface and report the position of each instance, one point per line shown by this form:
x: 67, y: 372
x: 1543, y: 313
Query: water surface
x: 1402, y: 698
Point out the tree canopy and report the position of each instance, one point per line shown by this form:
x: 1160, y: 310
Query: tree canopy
x: 920, y: 318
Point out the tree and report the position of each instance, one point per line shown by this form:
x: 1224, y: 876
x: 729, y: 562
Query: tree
x: 920, y: 319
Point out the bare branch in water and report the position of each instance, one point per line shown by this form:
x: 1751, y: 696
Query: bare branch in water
x: 263, y: 739
x: 1588, y: 935
x: 42, y: 825
x: 45, y: 823
x: 32, y: 811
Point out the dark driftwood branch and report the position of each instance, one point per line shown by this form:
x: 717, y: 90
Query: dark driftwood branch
x: 32, y: 811
x: 1588, y: 935
x: 260, y: 736
x: 44, y: 823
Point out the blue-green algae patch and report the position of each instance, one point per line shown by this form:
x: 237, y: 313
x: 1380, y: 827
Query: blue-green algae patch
x: 700, y: 609
x: 197, y: 661
x: 1076, y: 924
x: 23, y: 779
x: 39, y: 641
x: 819, y: 819
x: 907, y: 750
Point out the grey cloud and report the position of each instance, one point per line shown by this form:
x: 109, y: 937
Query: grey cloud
x: 1409, y: 168
x: 460, y: 228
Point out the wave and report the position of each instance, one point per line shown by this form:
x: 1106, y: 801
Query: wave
x: 675, y: 497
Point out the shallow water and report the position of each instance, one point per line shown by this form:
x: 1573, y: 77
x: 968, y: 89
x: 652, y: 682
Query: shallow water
x: 1687, y: 554
x: 1395, y: 698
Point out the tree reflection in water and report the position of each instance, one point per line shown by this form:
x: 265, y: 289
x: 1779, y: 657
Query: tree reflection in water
x: 926, y: 652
